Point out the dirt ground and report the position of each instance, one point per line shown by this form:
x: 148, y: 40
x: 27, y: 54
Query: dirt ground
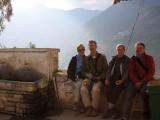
x: 65, y: 115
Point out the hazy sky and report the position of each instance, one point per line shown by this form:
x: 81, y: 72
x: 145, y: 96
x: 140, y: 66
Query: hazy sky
x: 19, y: 5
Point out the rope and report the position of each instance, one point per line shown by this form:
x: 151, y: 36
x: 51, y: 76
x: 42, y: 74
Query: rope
x: 140, y: 7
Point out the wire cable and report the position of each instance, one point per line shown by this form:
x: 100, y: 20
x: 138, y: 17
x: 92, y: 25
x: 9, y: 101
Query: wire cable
x: 140, y: 7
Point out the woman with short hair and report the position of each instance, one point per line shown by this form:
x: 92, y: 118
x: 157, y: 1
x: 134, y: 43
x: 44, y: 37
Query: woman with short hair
x: 74, y: 73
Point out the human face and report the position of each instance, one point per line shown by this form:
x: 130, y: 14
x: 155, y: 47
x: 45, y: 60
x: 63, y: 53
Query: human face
x: 92, y: 47
x: 139, y: 49
x: 120, y: 51
x: 81, y: 51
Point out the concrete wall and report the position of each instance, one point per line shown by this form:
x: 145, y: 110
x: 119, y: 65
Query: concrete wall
x: 26, y: 80
x: 25, y: 64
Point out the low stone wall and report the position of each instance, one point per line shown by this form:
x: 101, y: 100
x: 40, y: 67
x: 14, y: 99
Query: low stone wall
x: 26, y: 98
x: 66, y: 97
x: 64, y: 86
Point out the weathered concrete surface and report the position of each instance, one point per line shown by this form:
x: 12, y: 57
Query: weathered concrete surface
x: 64, y: 86
x: 27, y: 64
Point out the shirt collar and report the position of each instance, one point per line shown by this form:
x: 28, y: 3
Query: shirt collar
x: 141, y: 56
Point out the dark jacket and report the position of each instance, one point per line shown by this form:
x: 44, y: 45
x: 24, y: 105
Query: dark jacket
x: 72, y: 69
x: 144, y: 76
x: 123, y: 68
x: 101, y: 66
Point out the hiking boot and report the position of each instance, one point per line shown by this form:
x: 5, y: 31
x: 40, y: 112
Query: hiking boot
x: 94, y: 112
x: 82, y: 109
x: 124, y: 118
x: 147, y: 115
x: 75, y: 106
x: 107, y: 114
x: 89, y: 111
x: 116, y: 113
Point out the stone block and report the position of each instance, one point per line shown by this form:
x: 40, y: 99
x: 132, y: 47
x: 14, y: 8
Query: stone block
x: 41, y: 83
x: 19, y: 111
x: 2, y: 105
x: 10, y: 109
x: 14, y: 100
x: 17, y: 96
x: 4, y: 98
x: 10, y: 104
x: 3, y: 95
x: 24, y: 106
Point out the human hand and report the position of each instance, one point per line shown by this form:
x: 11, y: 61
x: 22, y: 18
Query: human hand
x: 90, y: 76
x: 119, y: 82
x: 138, y: 85
x: 77, y: 79
x: 107, y: 82
x: 103, y: 55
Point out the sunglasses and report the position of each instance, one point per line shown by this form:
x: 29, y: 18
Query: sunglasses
x: 81, y: 50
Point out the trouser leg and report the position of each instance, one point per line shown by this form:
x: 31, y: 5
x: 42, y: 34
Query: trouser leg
x: 131, y: 92
x: 108, y: 90
x: 115, y: 93
x: 85, y: 94
x: 76, y: 91
x: 145, y: 99
x: 96, y: 94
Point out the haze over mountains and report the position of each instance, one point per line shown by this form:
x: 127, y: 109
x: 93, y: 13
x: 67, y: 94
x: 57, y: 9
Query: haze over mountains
x: 114, y: 26
x: 47, y: 28
x: 52, y: 28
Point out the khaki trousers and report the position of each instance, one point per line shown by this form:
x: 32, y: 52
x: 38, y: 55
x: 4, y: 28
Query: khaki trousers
x: 76, y: 90
x: 91, y: 98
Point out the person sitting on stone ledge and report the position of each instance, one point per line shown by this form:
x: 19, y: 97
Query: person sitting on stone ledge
x: 94, y: 68
x: 116, y: 79
x: 141, y: 70
x: 74, y: 73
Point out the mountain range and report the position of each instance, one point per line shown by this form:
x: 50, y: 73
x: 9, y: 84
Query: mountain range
x: 114, y: 26
x: 53, y: 28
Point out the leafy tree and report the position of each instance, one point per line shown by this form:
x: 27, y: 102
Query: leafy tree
x: 31, y: 45
x: 5, y: 13
x: 2, y: 46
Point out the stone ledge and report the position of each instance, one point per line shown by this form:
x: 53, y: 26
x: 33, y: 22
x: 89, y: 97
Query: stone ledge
x: 66, y: 96
x: 17, y: 86
x: 23, y: 86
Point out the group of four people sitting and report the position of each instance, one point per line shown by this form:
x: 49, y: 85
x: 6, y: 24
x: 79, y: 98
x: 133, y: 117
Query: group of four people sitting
x: 90, y: 73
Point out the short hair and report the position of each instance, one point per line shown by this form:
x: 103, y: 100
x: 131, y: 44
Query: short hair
x: 80, y: 45
x: 92, y: 41
x: 120, y: 45
x: 140, y: 43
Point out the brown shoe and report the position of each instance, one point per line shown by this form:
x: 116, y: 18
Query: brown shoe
x: 75, y: 106
x: 89, y: 111
x: 94, y: 112
x: 82, y: 109
x: 107, y: 114
x: 116, y: 113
